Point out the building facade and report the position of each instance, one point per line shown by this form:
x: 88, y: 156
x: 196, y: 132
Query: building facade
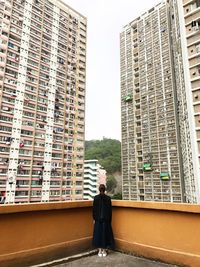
x: 94, y: 175
x: 181, y: 104
x: 189, y: 15
x: 157, y: 138
x: 101, y: 174
x: 42, y: 86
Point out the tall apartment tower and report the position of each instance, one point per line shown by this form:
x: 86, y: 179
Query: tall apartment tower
x: 189, y: 16
x: 157, y: 162
x: 42, y: 100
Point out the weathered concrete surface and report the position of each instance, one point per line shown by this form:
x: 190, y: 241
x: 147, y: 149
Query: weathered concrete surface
x: 114, y: 259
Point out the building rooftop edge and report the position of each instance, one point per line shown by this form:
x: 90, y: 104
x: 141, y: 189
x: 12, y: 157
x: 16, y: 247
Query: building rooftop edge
x: 29, y: 207
x: 179, y: 207
x: 163, y: 206
x: 67, y: 6
x: 90, y: 160
x: 144, y: 14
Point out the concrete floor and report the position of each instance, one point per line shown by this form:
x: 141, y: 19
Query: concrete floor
x: 114, y: 259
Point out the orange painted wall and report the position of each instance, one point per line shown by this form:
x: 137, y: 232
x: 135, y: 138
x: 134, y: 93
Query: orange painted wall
x: 165, y: 231
x: 35, y: 233
x: 42, y: 232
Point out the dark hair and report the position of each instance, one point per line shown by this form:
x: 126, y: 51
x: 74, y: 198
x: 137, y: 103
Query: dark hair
x: 102, y: 188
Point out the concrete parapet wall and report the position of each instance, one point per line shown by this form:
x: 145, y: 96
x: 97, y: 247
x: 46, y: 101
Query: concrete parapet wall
x: 35, y: 233
x: 165, y: 231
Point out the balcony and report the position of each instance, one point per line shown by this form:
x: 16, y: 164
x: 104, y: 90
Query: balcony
x: 39, y: 233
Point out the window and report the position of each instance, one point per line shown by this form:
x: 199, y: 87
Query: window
x: 195, y: 24
x: 36, y: 193
x: 21, y: 193
x: 197, y: 3
x: 10, y: 45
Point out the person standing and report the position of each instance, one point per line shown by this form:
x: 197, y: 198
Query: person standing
x: 102, y: 215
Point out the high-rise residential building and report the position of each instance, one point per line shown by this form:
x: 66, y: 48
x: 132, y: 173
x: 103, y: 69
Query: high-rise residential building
x: 189, y: 17
x: 42, y: 100
x: 182, y: 107
x: 94, y: 175
x: 158, y: 154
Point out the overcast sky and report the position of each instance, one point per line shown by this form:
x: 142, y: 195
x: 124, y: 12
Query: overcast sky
x: 106, y: 19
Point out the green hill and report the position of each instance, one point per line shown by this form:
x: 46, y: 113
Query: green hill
x: 107, y: 151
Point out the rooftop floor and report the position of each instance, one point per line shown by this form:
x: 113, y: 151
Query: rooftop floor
x: 115, y: 259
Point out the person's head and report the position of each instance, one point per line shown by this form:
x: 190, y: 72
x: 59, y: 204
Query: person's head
x: 102, y: 188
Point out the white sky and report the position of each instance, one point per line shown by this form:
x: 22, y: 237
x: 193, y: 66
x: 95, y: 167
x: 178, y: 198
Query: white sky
x: 106, y: 19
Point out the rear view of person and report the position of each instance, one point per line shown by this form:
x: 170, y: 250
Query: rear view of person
x: 102, y: 215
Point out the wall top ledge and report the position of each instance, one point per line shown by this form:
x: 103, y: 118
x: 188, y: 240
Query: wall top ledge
x: 180, y: 207
x: 16, y: 208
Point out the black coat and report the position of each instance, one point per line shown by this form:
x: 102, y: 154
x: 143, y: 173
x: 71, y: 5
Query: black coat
x: 102, y: 215
x: 102, y: 208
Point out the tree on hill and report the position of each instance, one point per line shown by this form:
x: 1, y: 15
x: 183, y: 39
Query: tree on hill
x: 117, y: 196
x: 106, y: 151
x: 111, y: 183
